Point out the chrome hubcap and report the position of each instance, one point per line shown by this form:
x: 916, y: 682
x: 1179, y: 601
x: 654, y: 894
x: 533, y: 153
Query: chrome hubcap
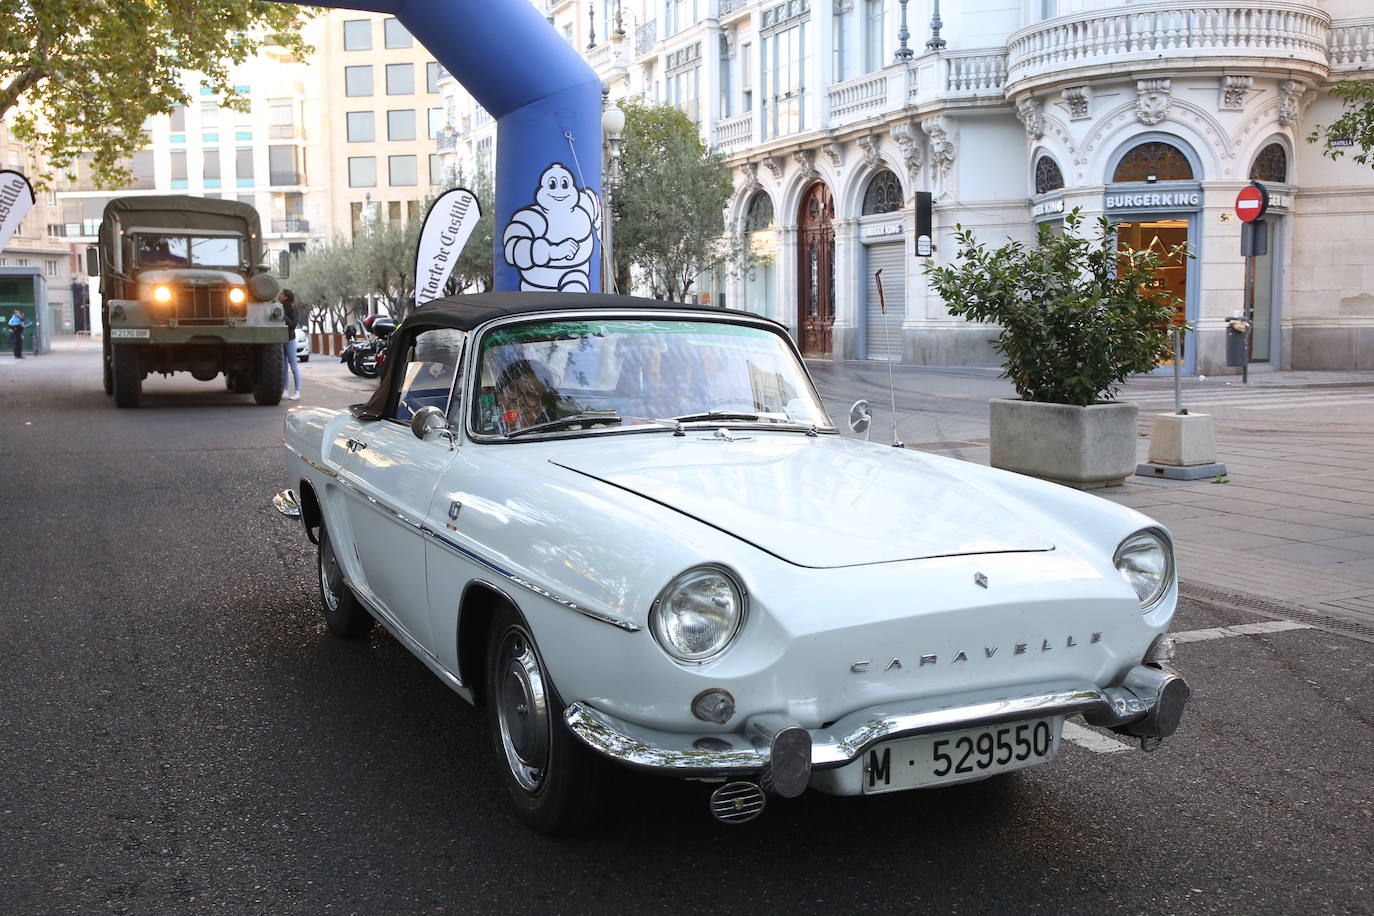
x: 329, y: 574
x: 522, y: 710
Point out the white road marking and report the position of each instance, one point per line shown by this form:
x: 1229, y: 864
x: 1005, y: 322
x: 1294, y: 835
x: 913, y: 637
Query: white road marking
x: 1091, y: 740
x: 1240, y: 629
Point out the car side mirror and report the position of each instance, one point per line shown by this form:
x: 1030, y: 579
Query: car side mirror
x: 860, y: 417
x: 429, y: 419
x: 284, y: 265
x: 92, y: 261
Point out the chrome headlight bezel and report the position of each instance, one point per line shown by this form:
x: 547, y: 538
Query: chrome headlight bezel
x: 1144, y: 539
x: 659, y: 611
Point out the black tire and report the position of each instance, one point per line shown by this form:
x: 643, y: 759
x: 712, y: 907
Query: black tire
x: 365, y: 365
x: 558, y: 784
x: 304, y: 358
x: 343, y: 612
x: 126, y: 376
x: 107, y: 371
x: 268, y: 375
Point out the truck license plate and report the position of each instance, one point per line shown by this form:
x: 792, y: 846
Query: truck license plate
x: 128, y: 332
x: 925, y: 760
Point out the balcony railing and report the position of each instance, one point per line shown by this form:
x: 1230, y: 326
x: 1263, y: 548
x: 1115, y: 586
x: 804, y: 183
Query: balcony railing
x: 736, y: 131
x: 730, y: 6
x: 284, y: 131
x: 446, y: 139
x: 1279, y: 32
x: 279, y: 178
x: 645, y: 37
x: 1352, y: 46
x: 291, y: 224
x: 856, y: 99
x: 970, y: 74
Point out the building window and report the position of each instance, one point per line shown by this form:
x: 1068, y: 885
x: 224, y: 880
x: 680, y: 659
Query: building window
x: 178, y: 122
x: 746, y: 78
x: 393, y: 213
x: 400, y: 124
x: 684, y: 89
x: 395, y: 35
x: 357, y: 35
x: 784, y: 59
x: 727, y: 100
x: 401, y: 171
x: 281, y: 119
x: 432, y: 72
x: 355, y: 213
x: 842, y: 40
x: 400, y: 79
x: 1271, y: 164
x: 1154, y: 161
x: 760, y: 214
x: 875, y: 20
x: 1047, y: 175
x: 142, y: 166
x: 283, y: 167
x: 358, y: 80
x: 679, y: 15
x: 51, y: 267
x: 436, y: 169
x: 362, y: 171
x: 211, y: 170
x: 883, y: 195
x: 436, y: 123
x: 484, y: 155
x: 243, y: 166
x: 361, y: 126
x: 178, y: 169
x: 209, y: 115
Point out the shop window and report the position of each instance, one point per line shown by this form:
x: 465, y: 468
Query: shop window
x: 760, y: 214
x: 1154, y: 161
x: 1047, y: 175
x: 884, y: 194
x: 1271, y: 164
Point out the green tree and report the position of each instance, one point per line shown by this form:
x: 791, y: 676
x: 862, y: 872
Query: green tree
x: 1078, y: 314
x: 384, y: 263
x: 669, y: 203
x: 82, y: 76
x: 325, y: 283
x: 1355, y: 126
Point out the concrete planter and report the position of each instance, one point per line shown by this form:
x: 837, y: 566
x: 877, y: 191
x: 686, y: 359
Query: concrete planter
x: 1083, y: 447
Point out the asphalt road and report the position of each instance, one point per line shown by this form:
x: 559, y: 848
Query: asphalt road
x: 180, y: 735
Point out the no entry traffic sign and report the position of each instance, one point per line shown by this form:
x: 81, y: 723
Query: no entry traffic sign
x: 1251, y: 202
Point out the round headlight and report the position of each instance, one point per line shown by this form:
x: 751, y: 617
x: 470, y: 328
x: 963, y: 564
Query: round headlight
x: 697, y: 615
x: 1146, y: 562
x: 236, y: 295
x: 162, y: 293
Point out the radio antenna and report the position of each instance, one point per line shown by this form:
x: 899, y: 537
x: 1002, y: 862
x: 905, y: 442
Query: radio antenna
x: 887, y: 337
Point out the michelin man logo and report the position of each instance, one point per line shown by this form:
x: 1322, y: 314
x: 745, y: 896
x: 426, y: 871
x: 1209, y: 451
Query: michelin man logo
x: 551, y: 242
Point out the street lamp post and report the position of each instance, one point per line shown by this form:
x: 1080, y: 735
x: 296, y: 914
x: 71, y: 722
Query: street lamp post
x: 612, y: 130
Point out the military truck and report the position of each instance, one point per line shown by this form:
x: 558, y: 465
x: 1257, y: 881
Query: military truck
x: 186, y: 290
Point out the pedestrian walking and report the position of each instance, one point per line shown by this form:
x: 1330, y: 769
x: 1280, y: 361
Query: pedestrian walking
x: 17, y: 324
x: 293, y: 370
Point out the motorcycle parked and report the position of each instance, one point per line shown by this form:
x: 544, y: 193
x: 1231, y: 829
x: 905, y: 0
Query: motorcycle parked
x: 366, y: 354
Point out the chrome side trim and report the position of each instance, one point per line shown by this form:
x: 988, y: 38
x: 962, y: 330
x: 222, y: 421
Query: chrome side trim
x: 394, y: 627
x: 846, y: 740
x: 316, y: 465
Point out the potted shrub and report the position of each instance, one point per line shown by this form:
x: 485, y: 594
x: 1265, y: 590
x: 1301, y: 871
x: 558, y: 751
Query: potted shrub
x: 1078, y: 316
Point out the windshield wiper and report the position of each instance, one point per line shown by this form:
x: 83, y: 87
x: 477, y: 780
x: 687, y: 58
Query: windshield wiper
x: 581, y: 419
x: 717, y: 415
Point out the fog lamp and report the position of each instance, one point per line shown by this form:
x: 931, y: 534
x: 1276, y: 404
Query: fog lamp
x: 714, y: 705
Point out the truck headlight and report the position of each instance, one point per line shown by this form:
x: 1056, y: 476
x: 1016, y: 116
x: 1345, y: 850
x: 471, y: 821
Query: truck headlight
x: 1146, y: 561
x: 697, y: 614
x: 162, y: 294
x: 236, y: 295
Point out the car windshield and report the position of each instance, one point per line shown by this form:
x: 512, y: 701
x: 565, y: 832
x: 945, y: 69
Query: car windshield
x: 189, y: 250
x: 572, y: 376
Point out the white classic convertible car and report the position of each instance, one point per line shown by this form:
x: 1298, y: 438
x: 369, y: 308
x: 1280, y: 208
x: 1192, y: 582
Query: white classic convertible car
x: 629, y: 530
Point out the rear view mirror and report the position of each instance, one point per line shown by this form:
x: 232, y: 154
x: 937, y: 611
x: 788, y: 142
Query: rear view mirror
x: 860, y: 417
x: 283, y: 264
x: 92, y: 261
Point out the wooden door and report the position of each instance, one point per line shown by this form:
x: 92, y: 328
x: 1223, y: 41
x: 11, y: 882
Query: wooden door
x: 816, y: 269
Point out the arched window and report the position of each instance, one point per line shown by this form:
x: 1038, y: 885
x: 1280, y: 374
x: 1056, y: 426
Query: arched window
x: 1047, y: 175
x: 1154, y: 161
x: 884, y: 194
x: 760, y: 213
x: 1271, y: 164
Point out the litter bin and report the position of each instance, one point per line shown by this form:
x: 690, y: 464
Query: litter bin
x: 1237, y: 354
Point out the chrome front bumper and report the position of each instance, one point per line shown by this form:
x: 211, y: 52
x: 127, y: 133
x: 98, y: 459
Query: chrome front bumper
x: 1148, y: 703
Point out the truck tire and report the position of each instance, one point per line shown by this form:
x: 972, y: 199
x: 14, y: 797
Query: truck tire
x: 268, y: 375
x: 127, y: 376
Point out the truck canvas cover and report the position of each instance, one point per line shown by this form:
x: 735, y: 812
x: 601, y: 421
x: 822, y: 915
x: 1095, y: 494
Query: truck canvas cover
x: 180, y: 213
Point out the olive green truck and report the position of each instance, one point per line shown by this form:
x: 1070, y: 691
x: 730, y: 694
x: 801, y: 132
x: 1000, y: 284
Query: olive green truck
x: 186, y: 289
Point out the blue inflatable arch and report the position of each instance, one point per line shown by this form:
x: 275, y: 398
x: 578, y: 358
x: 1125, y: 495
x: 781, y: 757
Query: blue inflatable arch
x: 547, y: 104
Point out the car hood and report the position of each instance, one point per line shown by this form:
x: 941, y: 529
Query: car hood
x: 816, y: 502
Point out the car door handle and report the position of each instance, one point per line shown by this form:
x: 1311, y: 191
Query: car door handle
x: 355, y: 446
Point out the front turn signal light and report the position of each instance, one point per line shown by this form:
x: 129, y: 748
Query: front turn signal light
x: 236, y: 295
x: 162, y: 293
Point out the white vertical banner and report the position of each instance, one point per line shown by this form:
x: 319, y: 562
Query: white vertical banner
x: 448, y: 224
x: 16, y: 200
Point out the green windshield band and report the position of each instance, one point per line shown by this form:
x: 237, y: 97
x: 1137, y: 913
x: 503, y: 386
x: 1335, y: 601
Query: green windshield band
x: 568, y: 330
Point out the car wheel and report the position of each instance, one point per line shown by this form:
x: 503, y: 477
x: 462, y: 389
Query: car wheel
x: 343, y: 612
x: 557, y: 783
x: 303, y: 358
x: 268, y: 375
x: 127, y: 376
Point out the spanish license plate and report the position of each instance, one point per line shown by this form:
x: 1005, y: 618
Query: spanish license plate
x: 926, y: 760
x: 128, y: 332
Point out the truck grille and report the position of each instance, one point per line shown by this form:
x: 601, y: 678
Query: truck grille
x: 202, y: 304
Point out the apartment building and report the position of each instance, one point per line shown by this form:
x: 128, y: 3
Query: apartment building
x: 35, y: 246
x: 1010, y: 113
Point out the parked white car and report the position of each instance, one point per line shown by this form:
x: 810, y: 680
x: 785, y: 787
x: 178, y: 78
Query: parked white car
x: 302, y: 346
x: 629, y: 530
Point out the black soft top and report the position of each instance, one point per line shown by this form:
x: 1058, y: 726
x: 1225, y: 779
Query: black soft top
x: 468, y: 311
